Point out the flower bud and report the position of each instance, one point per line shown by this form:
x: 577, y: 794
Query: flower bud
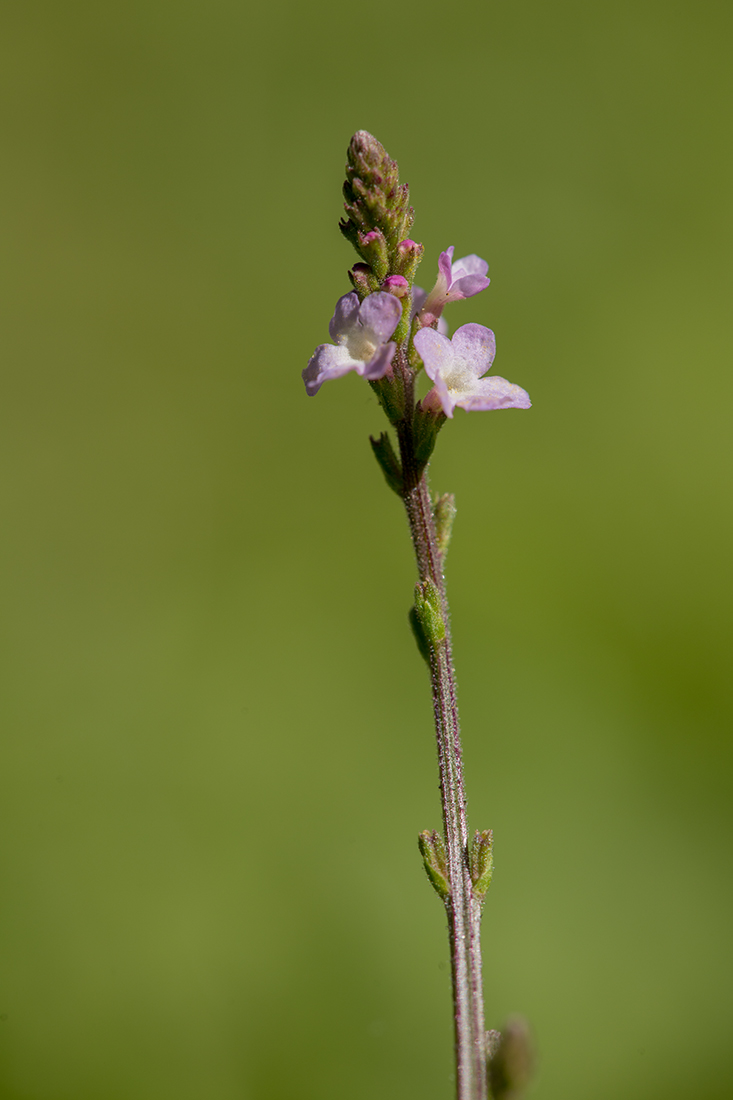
x: 409, y: 254
x: 397, y: 285
x: 373, y: 248
x: 363, y: 280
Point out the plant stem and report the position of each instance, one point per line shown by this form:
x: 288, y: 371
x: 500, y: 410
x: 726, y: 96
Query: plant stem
x: 463, y: 909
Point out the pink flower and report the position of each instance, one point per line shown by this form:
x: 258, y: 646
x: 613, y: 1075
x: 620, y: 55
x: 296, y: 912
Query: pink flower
x: 455, y: 281
x: 456, y: 366
x: 360, y: 333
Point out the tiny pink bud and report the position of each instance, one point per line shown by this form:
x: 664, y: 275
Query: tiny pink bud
x: 408, y: 257
x: 397, y: 285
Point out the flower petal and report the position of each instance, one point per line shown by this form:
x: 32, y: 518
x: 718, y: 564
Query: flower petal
x: 466, y: 286
x: 469, y: 265
x: 379, y: 365
x: 441, y: 395
x: 328, y: 361
x: 436, y: 351
x: 345, y: 316
x: 380, y: 313
x: 445, y: 265
x: 475, y: 345
x: 494, y: 393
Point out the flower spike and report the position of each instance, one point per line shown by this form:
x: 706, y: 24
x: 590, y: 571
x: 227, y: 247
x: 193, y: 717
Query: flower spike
x: 377, y: 207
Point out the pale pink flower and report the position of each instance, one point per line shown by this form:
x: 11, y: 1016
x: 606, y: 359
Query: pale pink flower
x: 361, y: 333
x: 456, y: 366
x: 455, y: 281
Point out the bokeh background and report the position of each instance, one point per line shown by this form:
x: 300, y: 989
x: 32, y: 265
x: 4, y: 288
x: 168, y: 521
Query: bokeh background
x: 217, y: 742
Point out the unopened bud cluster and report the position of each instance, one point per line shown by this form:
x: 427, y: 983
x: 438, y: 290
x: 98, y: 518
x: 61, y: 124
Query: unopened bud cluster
x: 378, y: 214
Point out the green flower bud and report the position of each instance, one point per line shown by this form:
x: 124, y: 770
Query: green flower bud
x: 409, y: 254
x: 373, y: 248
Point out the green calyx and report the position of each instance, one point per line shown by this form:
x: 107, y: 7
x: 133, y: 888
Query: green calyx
x: 425, y: 427
x: 428, y: 614
x: 426, y: 619
x: 432, y: 850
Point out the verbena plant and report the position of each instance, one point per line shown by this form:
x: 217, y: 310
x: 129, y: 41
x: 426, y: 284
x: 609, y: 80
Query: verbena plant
x: 388, y: 330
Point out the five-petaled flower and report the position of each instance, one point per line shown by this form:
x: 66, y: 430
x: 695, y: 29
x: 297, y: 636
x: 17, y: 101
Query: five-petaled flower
x: 361, y: 334
x: 456, y: 366
x: 455, y: 281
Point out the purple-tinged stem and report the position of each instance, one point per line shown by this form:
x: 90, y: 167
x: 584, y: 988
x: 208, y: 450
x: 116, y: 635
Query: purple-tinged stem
x: 463, y: 909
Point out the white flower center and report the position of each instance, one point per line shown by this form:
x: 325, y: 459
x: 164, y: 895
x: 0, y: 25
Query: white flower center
x: 359, y: 344
x: 458, y: 378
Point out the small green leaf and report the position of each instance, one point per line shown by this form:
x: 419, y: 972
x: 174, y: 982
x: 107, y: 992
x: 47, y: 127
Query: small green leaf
x: 444, y: 512
x: 432, y: 850
x: 481, y: 863
x: 422, y: 642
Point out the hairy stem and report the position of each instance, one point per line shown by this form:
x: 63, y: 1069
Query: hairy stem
x: 464, y: 911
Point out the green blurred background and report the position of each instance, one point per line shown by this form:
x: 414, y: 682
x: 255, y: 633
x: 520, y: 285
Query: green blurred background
x: 217, y: 746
